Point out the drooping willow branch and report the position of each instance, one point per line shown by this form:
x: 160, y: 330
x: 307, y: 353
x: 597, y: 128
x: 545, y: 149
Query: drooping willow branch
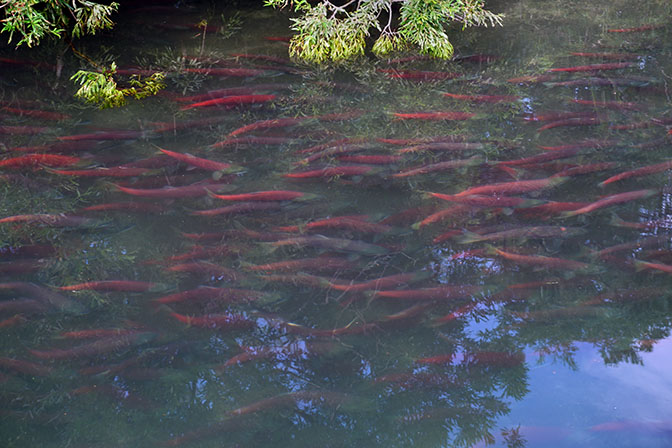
x: 327, y: 31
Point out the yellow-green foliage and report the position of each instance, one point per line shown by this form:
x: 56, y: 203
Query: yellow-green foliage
x: 101, y: 88
x: 337, y: 32
x: 35, y: 19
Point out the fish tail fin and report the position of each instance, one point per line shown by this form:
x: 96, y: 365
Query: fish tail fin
x: 217, y: 175
x: 181, y: 318
x: 469, y: 237
x: 512, y: 172
x: 248, y: 266
x: 640, y: 265
x: 490, y: 249
x: 307, y: 197
x: 267, y: 248
x: 616, y: 221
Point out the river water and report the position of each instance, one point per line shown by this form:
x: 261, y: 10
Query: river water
x: 344, y: 304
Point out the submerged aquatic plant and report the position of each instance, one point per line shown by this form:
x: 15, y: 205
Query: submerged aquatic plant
x: 101, y: 88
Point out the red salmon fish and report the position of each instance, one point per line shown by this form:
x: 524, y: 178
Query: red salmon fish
x: 611, y: 200
x: 640, y: 265
x: 418, y: 75
x: 332, y: 144
x: 329, y: 264
x: 24, y: 367
x: 187, y: 191
x: 462, y: 311
x: 221, y: 321
x: 115, y: 171
x: 522, y: 186
x: 441, y: 166
x: 585, y: 169
x: 35, y: 160
x: 205, y: 164
x: 211, y: 293
x: 206, y: 268
x: 41, y: 114
x: 356, y: 223
x: 635, y: 29
x: 618, y: 105
x: 539, y: 260
x: 271, y: 195
x: 98, y: 347
x: 484, y: 98
x: 48, y: 220
x: 486, y: 201
x: 434, y: 116
x: 334, y: 171
x: 643, y: 171
x: 96, y: 333
x: 23, y: 130
x: 105, y: 135
x: 266, y: 124
x: 231, y: 101
x: 237, y: 72
x: 240, y: 208
x: 595, y: 67
x: 445, y: 292
x: 442, y: 146
x: 140, y: 207
x: 381, y: 283
x: 112, y: 285
x: 543, y: 157
x: 618, y: 56
x: 587, y: 121
x: 251, y: 140
x: 372, y: 159
x: 458, y: 211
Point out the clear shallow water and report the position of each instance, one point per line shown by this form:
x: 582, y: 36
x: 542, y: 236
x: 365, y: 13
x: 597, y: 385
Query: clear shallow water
x: 576, y: 355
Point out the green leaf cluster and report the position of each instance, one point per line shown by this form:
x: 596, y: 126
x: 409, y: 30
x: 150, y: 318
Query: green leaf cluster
x: 34, y: 20
x: 101, y: 88
x: 333, y: 32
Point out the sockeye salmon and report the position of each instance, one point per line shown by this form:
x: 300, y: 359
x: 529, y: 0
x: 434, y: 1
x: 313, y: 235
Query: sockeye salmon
x: 382, y: 282
x: 353, y: 222
x: 595, y: 67
x: 521, y: 233
x: 522, y: 186
x: 337, y: 244
x: 187, y: 191
x: 199, y: 162
x: 211, y: 293
x: 539, y: 260
x: 611, y: 200
x: 48, y: 220
x: 441, y: 166
x: 231, y: 101
x: 445, y: 292
x: 35, y: 160
x: 434, y: 116
x: 113, y: 285
x: 484, y: 98
x: 271, y: 195
x: 334, y: 171
x: 643, y: 171
x: 220, y: 321
x: 99, y: 347
x: 116, y: 171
